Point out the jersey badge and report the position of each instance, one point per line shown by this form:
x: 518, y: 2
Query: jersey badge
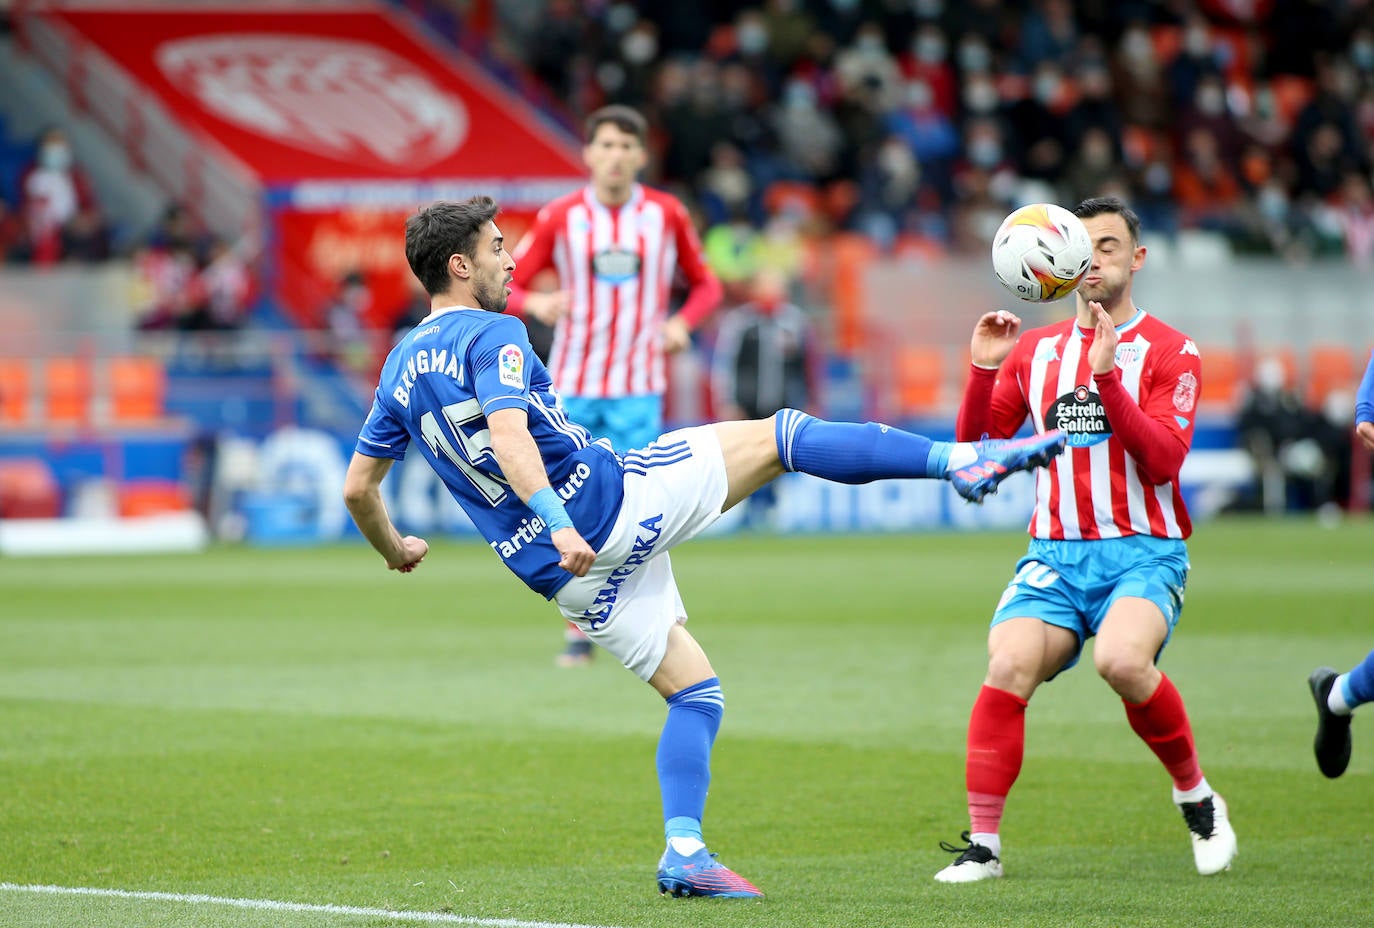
x: 1129, y: 355
x: 1185, y: 393
x: 512, y: 367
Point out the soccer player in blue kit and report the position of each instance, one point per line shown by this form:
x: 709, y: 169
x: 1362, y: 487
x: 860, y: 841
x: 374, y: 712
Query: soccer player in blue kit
x: 590, y: 526
x: 1337, y: 694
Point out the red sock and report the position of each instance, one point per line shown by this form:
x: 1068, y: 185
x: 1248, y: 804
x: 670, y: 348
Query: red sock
x: 996, y: 747
x: 1162, y: 723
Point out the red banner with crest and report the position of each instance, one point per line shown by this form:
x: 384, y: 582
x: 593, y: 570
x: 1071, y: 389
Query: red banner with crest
x: 349, y: 118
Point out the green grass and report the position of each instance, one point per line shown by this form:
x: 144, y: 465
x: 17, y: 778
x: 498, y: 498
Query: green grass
x: 301, y: 726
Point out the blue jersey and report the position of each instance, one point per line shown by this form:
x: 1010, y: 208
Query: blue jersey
x: 437, y: 387
x: 1364, y: 398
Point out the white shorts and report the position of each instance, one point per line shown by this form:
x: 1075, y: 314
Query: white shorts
x: 674, y: 488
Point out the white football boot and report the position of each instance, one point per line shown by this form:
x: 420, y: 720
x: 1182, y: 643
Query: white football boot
x: 1214, y: 841
x: 975, y: 862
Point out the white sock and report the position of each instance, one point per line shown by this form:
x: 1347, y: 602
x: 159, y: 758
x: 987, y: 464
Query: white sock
x: 685, y: 846
x: 1196, y: 794
x: 1335, y: 700
x: 961, y: 455
x: 989, y: 841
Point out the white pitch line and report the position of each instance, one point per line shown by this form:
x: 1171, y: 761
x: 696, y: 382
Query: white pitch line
x: 272, y: 905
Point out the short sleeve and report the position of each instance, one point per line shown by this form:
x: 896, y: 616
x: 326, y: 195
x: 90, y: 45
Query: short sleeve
x: 502, y: 362
x: 382, y: 435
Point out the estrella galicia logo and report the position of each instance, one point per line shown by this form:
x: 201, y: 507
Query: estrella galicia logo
x: 1081, y: 417
x: 615, y: 265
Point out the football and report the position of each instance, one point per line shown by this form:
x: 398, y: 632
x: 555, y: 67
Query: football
x: 1041, y: 252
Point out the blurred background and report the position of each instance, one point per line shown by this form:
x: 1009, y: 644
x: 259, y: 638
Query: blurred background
x: 202, y: 210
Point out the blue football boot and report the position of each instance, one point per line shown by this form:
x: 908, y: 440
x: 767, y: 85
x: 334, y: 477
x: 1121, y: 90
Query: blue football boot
x: 698, y: 874
x: 999, y: 459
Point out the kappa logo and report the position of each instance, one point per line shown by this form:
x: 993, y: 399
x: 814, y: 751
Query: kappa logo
x: 1047, y: 350
x: 1189, y: 348
x: 344, y: 99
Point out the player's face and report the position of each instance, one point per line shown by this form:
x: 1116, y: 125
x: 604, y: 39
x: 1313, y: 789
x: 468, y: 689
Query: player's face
x: 1115, y: 259
x: 614, y: 158
x: 492, y: 268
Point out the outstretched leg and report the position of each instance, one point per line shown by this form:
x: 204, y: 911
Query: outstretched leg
x: 761, y: 450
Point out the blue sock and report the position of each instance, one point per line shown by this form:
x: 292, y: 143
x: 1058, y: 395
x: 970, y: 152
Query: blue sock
x: 684, y: 756
x: 847, y: 452
x: 1357, y: 687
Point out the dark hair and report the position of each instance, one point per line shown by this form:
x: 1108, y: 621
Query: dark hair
x: 442, y: 230
x: 1096, y: 206
x: 623, y: 118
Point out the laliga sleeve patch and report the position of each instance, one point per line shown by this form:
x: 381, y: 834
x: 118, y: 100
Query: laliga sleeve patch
x: 512, y: 367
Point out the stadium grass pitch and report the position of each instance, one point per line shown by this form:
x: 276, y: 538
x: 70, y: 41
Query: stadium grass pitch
x: 245, y: 729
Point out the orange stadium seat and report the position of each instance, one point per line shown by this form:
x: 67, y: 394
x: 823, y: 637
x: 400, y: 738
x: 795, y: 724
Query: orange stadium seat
x: 150, y: 497
x: 15, y: 391
x: 920, y: 378
x: 67, y: 390
x: 138, y: 389
x: 1330, y: 367
x: 1223, y: 377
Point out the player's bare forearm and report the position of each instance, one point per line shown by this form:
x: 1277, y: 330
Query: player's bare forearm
x: 363, y: 497
x: 518, y: 456
x: 516, y: 452
x: 1365, y: 432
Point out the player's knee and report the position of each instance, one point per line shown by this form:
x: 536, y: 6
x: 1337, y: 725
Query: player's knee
x: 1123, y: 670
x: 1014, y: 672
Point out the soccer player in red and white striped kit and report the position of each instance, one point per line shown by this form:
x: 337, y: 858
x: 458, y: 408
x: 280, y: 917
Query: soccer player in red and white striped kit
x: 1107, y: 556
x: 617, y: 247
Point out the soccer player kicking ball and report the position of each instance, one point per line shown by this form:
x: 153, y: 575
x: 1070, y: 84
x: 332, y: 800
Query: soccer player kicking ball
x: 590, y: 526
x: 1337, y: 694
x: 1107, y: 555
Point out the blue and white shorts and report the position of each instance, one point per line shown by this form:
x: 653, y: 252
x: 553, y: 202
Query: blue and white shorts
x: 674, y: 489
x: 1072, y: 584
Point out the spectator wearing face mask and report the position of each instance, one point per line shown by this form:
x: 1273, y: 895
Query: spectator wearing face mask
x: 927, y: 61
x: 1208, y: 111
x: 57, y: 201
x: 1199, y: 58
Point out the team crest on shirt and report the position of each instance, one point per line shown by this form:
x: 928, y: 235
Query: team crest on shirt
x: 1185, y: 393
x: 1081, y: 416
x: 511, y: 365
x: 1129, y: 355
x: 615, y: 265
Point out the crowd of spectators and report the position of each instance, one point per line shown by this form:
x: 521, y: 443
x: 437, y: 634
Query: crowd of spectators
x: 929, y: 119
x: 185, y: 278
x: 189, y: 279
x: 52, y: 213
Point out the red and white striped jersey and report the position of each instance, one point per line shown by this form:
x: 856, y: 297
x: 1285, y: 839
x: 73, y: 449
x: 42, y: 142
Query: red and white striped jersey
x: 619, y: 264
x: 1094, y: 489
